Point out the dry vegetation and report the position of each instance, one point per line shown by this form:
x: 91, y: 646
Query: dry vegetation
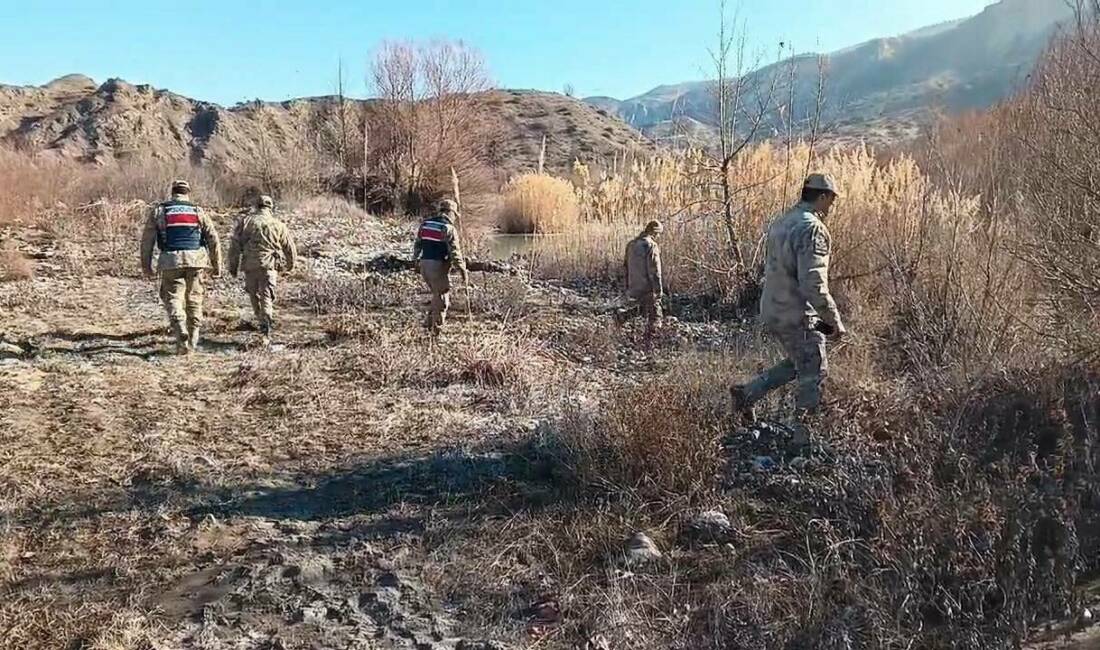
x: 537, y: 203
x: 949, y: 500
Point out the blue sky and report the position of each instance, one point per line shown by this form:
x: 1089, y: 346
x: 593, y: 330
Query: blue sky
x: 227, y: 51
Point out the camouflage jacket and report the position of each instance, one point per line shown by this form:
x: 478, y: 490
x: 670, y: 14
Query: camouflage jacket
x: 261, y: 242
x: 197, y: 248
x: 643, y: 267
x: 796, y: 272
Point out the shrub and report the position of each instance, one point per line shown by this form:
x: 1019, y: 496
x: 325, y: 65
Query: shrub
x: 14, y: 266
x: 657, y: 439
x: 538, y: 203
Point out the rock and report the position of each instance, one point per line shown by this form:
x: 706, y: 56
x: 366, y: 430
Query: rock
x: 710, y: 527
x: 763, y: 464
x: 10, y: 351
x: 315, y: 614
x: 310, y: 571
x: 640, y: 549
x: 799, y: 463
x: 390, y: 579
x: 545, y: 611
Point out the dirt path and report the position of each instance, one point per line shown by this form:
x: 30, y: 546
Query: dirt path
x: 265, y: 498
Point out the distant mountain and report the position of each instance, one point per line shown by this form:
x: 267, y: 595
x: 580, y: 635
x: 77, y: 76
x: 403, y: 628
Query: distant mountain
x: 75, y: 118
x: 882, y: 88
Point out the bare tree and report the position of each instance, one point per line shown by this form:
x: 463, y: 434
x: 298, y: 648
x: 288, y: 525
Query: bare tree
x: 742, y: 104
x: 427, y: 119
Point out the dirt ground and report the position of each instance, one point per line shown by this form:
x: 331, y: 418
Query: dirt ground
x: 305, y: 495
x: 349, y: 487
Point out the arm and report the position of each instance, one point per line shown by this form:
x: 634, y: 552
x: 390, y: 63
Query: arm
x: 626, y: 266
x: 213, y: 244
x: 290, y: 251
x: 418, y: 249
x: 148, y: 242
x: 236, y: 246
x: 656, y: 277
x: 454, y: 249
x: 813, y: 250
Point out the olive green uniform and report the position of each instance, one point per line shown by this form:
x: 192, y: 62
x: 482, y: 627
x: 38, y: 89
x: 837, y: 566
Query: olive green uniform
x: 644, y: 280
x: 796, y: 304
x: 261, y: 246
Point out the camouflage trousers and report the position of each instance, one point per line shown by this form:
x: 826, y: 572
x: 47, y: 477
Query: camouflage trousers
x: 182, y: 293
x: 260, y: 285
x: 805, y: 361
x: 646, y: 305
x: 437, y: 276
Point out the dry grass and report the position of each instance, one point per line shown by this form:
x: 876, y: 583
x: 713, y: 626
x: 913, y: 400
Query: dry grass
x: 537, y: 203
x: 15, y: 265
x: 42, y: 188
x: 659, y: 439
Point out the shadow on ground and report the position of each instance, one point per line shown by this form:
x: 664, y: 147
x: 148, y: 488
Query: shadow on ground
x: 517, y: 475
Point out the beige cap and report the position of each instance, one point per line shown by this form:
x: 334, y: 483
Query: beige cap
x: 822, y: 182
x: 447, y: 205
x: 654, y: 227
x: 181, y: 187
x: 266, y: 201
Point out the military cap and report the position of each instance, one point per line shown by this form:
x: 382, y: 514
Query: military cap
x: 823, y: 182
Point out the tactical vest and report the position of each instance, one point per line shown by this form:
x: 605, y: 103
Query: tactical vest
x: 433, y: 240
x: 182, y: 230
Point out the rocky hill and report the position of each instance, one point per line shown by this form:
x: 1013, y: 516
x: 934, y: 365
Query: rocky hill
x: 73, y: 117
x: 881, y: 88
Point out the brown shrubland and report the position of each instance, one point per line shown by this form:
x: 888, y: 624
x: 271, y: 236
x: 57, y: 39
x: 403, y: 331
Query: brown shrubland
x: 952, y: 503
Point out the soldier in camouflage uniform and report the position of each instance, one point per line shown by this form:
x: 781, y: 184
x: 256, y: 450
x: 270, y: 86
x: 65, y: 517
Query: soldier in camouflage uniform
x: 797, y: 308
x: 188, y: 243
x: 437, y: 249
x: 261, y: 246
x: 644, y: 280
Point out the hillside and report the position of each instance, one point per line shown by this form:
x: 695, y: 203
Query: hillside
x: 882, y: 88
x: 75, y: 118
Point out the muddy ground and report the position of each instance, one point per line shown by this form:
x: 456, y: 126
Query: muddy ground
x: 353, y: 486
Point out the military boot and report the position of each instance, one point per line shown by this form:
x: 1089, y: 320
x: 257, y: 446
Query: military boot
x: 179, y: 334
x: 193, y: 339
x: 265, y: 331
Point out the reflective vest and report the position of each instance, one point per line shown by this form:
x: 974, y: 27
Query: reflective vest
x: 433, y: 240
x: 182, y: 230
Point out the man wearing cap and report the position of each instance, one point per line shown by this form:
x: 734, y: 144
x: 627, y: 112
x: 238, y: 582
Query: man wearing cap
x: 188, y: 243
x: 437, y: 249
x: 261, y: 246
x: 644, y: 281
x: 796, y: 307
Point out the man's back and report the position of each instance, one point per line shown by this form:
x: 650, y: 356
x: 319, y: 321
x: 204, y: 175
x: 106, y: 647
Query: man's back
x: 264, y: 242
x: 643, y: 267
x: 796, y: 271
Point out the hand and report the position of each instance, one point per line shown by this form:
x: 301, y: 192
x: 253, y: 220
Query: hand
x: 824, y: 328
x: 835, y: 333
